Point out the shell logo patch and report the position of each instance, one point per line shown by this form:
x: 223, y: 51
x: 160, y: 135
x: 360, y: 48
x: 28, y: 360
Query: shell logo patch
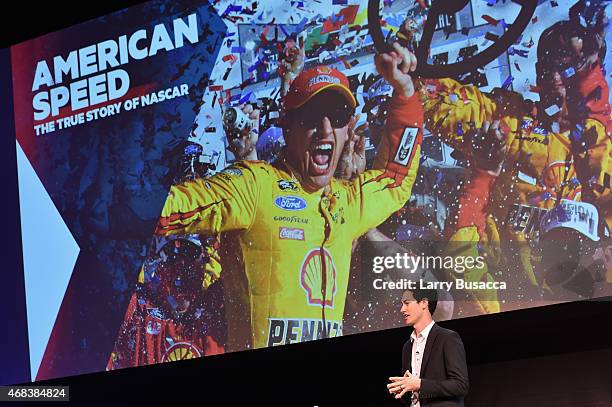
x: 181, y: 351
x: 318, y: 278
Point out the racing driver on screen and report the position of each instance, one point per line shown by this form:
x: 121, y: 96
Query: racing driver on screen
x: 292, y: 223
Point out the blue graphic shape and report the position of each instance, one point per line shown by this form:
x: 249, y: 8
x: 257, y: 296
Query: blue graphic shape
x: 49, y: 256
x: 109, y: 178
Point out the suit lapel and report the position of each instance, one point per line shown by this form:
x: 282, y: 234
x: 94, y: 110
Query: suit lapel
x: 409, y: 356
x: 431, y: 338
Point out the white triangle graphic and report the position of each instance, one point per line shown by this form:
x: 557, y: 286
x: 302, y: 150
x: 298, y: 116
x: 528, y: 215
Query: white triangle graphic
x: 49, y: 256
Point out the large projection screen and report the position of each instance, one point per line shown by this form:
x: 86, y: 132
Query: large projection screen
x: 200, y: 178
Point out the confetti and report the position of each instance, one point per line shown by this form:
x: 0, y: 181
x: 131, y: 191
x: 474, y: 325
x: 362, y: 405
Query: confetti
x: 568, y: 73
x: 282, y: 27
x: 335, y: 22
x: 490, y: 19
x: 552, y: 110
x: 227, y: 72
x: 254, y: 66
x: 520, y: 52
x: 238, y: 50
x: 491, y: 37
x: 507, y: 82
x: 460, y: 129
x: 230, y: 9
x: 246, y: 98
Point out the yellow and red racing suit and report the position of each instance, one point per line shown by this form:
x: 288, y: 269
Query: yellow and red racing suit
x: 538, y: 171
x: 148, y: 336
x: 294, y: 246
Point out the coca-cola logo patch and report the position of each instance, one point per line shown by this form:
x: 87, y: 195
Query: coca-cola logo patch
x: 290, y: 233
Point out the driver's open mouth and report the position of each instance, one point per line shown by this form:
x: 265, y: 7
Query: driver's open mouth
x: 321, y: 157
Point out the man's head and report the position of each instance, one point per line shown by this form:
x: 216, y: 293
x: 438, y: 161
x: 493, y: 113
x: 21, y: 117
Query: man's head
x: 568, y: 52
x: 418, y: 306
x: 317, y: 112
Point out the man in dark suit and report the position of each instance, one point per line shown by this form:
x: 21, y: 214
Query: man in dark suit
x: 433, y: 359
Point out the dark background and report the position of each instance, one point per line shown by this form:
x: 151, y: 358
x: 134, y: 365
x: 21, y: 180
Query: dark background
x: 558, y: 355
x: 549, y: 356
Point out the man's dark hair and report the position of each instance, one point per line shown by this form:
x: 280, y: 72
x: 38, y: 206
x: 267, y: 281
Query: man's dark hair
x: 431, y: 296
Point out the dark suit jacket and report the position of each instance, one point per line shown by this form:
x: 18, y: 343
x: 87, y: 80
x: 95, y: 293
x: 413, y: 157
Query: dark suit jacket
x: 444, y: 374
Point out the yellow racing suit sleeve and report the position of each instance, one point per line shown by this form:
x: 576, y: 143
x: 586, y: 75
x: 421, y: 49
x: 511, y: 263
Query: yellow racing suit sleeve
x: 224, y: 202
x: 452, y: 108
x: 379, y: 192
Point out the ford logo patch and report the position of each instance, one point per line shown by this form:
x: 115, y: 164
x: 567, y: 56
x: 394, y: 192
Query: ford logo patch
x: 290, y: 203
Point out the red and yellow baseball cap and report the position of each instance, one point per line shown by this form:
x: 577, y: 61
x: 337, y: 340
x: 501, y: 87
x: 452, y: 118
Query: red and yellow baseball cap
x: 314, y: 81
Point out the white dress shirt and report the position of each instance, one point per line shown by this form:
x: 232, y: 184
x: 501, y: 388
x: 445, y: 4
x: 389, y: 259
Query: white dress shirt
x: 418, y: 348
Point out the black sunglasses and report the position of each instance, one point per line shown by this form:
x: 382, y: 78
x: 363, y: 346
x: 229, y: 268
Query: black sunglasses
x: 335, y: 108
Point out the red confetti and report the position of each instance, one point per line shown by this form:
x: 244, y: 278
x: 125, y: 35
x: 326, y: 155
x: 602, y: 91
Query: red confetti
x: 491, y: 36
x: 490, y: 19
x: 231, y: 58
x: 346, y: 63
x: 345, y: 16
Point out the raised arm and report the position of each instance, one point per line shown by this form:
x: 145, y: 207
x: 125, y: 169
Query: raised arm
x: 224, y: 202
